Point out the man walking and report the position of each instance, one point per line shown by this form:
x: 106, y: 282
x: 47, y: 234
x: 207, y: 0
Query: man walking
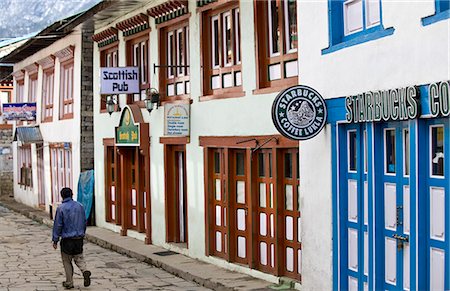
x: 70, y: 225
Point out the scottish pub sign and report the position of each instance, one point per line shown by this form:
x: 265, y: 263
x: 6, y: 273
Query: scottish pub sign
x: 299, y: 112
x: 127, y: 133
x: 119, y: 80
x: 383, y: 105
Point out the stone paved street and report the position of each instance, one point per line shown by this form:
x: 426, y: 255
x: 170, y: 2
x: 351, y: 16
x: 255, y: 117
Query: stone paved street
x: 29, y: 262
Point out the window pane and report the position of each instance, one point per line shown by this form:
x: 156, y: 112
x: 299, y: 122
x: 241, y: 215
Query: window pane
x: 352, y: 152
x: 270, y: 165
x: 240, y: 164
x: 215, y: 41
x: 288, y: 165
x: 437, y: 150
x: 353, y: 17
x: 237, y: 32
x: 216, y: 163
x: 274, y: 27
x: 261, y: 164
x: 406, y: 151
x: 180, y: 51
x: 228, y: 50
x: 390, y: 150
x: 291, y: 24
x: 365, y: 151
x: 372, y: 12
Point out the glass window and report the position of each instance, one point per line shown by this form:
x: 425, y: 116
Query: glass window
x: 437, y: 150
x: 290, y: 12
x: 66, y: 89
x: 389, y: 143
x: 352, y: 151
x: 47, y: 95
x: 216, y: 163
x: 365, y: 151
x: 274, y: 27
x: 288, y: 165
x: 215, y: 42
x: 406, y: 154
x: 240, y: 161
x: 261, y: 164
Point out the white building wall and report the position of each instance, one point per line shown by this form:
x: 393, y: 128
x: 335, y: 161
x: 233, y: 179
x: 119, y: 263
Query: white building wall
x: 413, y: 55
x: 249, y: 115
x: 57, y: 131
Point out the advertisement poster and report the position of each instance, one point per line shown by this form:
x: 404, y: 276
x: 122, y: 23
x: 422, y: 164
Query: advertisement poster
x: 19, y: 111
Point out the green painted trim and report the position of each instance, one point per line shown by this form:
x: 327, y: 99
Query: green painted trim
x: 108, y: 41
x: 170, y: 16
x: 135, y: 30
x: 201, y: 3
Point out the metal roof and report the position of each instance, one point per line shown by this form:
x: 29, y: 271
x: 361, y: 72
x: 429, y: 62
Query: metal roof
x: 52, y: 33
x: 28, y: 134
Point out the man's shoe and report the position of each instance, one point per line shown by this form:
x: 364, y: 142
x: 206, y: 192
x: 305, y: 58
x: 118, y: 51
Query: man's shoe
x: 67, y: 285
x: 87, y: 278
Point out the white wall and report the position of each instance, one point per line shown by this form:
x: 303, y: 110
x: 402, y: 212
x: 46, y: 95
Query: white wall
x: 413, y: 55
x: 59, y: 130
x: 249, y: 115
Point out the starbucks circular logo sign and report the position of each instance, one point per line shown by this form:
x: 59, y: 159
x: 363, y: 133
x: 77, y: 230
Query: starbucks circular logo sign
x: 299, y: 112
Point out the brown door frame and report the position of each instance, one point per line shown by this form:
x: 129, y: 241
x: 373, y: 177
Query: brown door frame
x: 172, y: 191
x: 276, y: 144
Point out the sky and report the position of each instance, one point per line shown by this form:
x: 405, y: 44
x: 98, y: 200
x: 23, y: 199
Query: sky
x: 21, y: 17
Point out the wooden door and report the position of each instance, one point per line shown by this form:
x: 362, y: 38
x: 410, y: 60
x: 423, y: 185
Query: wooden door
x: 176, y: 194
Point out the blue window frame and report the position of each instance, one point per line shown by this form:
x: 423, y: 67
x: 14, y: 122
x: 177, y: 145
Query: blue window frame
x: 442, y: 12
x: 352, y: 22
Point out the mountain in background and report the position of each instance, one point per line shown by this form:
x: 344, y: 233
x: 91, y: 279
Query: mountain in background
x: 20, y: 17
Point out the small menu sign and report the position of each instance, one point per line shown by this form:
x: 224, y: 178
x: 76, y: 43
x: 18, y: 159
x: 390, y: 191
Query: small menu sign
x: 176, y: 119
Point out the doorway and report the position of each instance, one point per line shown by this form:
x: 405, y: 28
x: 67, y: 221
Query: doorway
x: 176, y: 194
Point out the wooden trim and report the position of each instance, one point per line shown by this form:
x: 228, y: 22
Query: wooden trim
x: 65, y: 54
x: 251, y: 251
x: 109, y: 46
x: 6, y: 126
x: 278, y: 86
x: 143, y: 34
x: 216, y: 5
x: 174, y: 140
x: 221, y: 96
x: 226, y: 192
x: 174, y: 21
x: 179, y: 99
x: 207, y: 198
x: 247, y: 141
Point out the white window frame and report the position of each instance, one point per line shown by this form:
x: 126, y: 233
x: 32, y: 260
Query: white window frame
x: 404, y: 150
x: 271, y: 53
x: 66, y: 89
x: 170, y: 45
x: 180, y: 60
x: 237, y: 28
x: 348, y: 150
x: 214, y: 49
x: 366, y: 6
x: 48, y: 93
x: 345, y: 14
x: 430, y: 141
x: 142, y: 54
x: 226, y: 15
x: 286, y: 28
x: 385, y: 152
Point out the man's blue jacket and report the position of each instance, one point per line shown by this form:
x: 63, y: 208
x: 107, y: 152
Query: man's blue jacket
x: 70, y: 220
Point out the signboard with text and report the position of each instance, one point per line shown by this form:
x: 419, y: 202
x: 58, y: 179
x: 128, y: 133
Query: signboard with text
x: 299, y: 112
x: 19, y: 111
x: 176, y: 119
x: 127, y: 133
x: 119, y: 80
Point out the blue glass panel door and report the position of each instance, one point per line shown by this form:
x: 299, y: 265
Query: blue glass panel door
x: 353, y: 208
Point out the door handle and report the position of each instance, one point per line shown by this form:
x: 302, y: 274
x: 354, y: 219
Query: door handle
x: 401, y: 237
